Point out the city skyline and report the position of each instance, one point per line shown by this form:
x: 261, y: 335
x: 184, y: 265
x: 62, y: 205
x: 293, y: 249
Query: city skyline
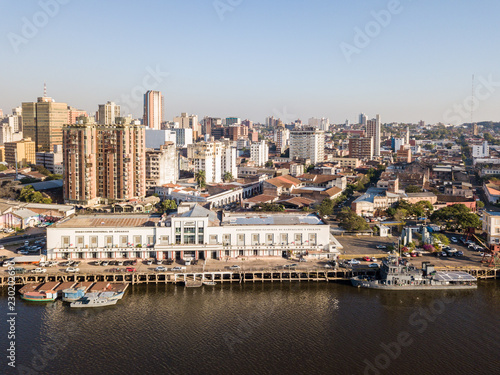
x: 406, y: 60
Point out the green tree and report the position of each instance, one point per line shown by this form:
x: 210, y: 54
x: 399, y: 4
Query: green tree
x: 326, y: 207
x: 228, y: 176
x: 3, y: 167
x: 269, y: 164
x: 400, y: 214
x: 480, y: 204
x: 350, y: 221
x: 200, y: 179
x: 441, y: 238
x: 456, y: 216
x: 168, y: 205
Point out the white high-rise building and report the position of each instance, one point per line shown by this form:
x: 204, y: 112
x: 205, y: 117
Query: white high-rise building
x: 215, y: 158
x: 153, y: 109
x: 308, y: 143
x: 259, y: 153
x: 481, y: 151
x: 319, y: 123
x: 373, y: 129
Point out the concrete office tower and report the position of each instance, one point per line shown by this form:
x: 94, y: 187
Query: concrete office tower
x: 373, y: 129
x: 189, y: 122
x: 43, y: 122
x: 107, y: 113
x: 407, y: 135
x: 362, y: 119
x: 308, y: 143
x: 259, y: 153
x: 103, y: 163
x: 183, y: 137
x: 361, y: 148
x: 215, y: 158
x: 153, y: 109
x: 161, y: 166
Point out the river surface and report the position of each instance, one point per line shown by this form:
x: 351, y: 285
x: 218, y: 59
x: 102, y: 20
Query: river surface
x: 289, y: 328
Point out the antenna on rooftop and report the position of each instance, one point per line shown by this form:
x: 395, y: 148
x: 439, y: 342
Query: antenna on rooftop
x: 44, y: 90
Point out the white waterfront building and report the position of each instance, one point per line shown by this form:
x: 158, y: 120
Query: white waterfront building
x: 193, y: 233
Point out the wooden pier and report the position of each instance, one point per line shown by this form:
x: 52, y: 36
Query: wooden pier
x: 239, y: 276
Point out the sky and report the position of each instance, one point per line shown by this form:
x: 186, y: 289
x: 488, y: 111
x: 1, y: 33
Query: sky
x: 406, y: 60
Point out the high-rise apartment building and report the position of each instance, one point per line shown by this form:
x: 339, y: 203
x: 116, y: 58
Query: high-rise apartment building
x: 161, y: 166
x: 308, y: 143
x: 107, y: 113
x: 153, y: 109
x: 103, y: 163
x: 361, y: 148
x: 259, y: 153
x: 74, y: 113
x: 282, y: 137
x: 43, y: 122
x: 373, y: 128
x: 215, y: 158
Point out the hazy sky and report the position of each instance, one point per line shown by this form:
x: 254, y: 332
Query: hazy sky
x: 407, y: 60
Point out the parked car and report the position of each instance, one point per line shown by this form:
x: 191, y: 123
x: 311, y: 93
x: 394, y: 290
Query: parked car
x: 7, y: 263
x: 149, y: 262
x: 302, y: 260
x: 381, y: 247
x: 453, y: 239
x: 23, y: 252
x: 443, y: 254
x: 178, y: 268
x: 485, y: 255
x: 373, y: 265
x: 2, y: 247
x: 353, y: 262
x: 291, y: 265
x: 72, y: 269
x: 160, y: 269
x: 459, y: 253
x: 328, y: 265
x: 39, y: 270
x: 105, y: 263
x: 116, y: 269
x: 367, y: 259
x: 131, y: 269
x: 234, y: 267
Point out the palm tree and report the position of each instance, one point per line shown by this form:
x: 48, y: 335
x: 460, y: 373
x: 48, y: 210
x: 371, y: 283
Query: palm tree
x: 228, y: 176
x: 200, y: 179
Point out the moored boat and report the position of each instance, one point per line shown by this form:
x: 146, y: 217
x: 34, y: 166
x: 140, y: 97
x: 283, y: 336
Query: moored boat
x: 42, y: 296
x: 94, y: 300
x: 394, y: 275
x: 209, y: 282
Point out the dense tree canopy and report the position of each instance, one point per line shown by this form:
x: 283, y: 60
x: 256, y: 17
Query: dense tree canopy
x: 350, y: 221
x: 28, y: 194
x: 457, y: 216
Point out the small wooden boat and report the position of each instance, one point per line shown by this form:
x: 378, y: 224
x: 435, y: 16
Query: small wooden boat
x: 209, y: 282
x: 193, y: 284
x: 45, y: 296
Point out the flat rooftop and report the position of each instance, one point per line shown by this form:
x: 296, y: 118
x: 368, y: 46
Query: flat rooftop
x: 272, y: 219
x: 108, y: 221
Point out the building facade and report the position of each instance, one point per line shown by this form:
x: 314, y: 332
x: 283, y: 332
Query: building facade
x: 107, y: 113
x: 43, y: 122
x: 153, y: 109
x: 373, y: 129
x: 361, y: 148
x: 161, y: 166
x: 308, y: 143
x: 194, y: 234
x: 23, y: 151
x: 259, y: 153
x: 103, y: 163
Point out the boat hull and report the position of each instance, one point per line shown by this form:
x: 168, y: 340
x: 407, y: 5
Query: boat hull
x: 362, y: 283
x: 49, y: 299
x: 93, y: 305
